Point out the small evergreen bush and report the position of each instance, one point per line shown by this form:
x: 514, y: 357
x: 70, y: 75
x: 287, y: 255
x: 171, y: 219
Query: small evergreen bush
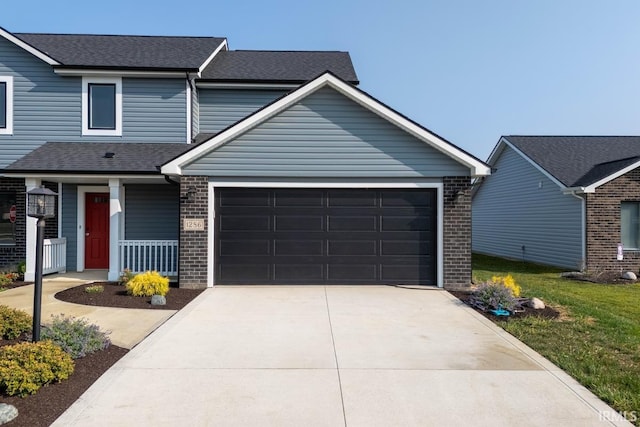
x: 26, y: 367
x: 75, y: 336
x: 13, y: 322
x: 148, y: 284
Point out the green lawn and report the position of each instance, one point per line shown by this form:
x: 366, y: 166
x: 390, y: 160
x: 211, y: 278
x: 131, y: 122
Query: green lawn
x: 598, y: 342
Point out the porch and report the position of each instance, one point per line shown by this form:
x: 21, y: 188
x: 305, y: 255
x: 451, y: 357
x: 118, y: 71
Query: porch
x: 134, y: 255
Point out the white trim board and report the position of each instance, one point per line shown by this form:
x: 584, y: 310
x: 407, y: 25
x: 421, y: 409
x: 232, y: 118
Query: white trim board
x: 213, y: 184
x: 477, y: 167
x: 26, y: 46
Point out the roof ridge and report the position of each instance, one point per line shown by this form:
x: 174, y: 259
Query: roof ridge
x: 287, y: 51
x: 572, y: 136
x: 116, y: 35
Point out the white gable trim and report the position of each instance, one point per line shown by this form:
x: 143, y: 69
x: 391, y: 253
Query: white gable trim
x: 477, y: 167
x: 498, y: 150
x: 223, y: 46
x: 26, y: 46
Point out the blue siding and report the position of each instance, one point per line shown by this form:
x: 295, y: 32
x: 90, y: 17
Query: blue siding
x: 519, y: 206
x: 220, y: 108
x: 152, y: 212
x: 70, y: 223
x: 47, y: 107
x: 326, y: 135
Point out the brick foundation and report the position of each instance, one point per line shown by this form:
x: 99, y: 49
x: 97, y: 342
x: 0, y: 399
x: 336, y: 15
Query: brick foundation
x: 192, y: 271
x: 457, y: 232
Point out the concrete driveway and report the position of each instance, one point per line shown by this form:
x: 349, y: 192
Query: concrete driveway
x: 334, y: 356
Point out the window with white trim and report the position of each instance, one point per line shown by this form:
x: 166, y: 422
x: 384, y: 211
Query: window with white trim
x: 630, y: 224
x: 102, y: 106
x: 6, y: 105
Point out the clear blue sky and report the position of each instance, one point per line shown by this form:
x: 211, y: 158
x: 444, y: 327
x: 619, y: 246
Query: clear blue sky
x: 468, y: 70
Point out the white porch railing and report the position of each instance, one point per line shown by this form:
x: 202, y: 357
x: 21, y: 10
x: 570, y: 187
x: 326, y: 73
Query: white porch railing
x: 142, y: 255
x: 54, y: 256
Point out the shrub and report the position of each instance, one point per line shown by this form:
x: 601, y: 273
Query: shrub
x: 75, y: 336
x: 507, y: 282
x: 147, y: 284
x: 22, y: 268
x: 7, y: 278
x: 125, y: 276
x: 13, y: 322
x: 95, y: 289
x: 26, y: 367
x: 493, y: 296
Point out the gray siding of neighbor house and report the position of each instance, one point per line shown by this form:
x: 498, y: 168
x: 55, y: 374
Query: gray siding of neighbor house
x: 519, y: 206
x: 326, y: 135
x: 70, y: 223
x: 220, y: 108
x: 47, y: 107
x: 152, y: 212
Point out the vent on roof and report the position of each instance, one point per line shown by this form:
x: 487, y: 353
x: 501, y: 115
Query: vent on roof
x: 109, y: 155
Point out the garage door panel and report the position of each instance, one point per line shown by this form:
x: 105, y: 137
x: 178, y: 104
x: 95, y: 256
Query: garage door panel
x: 244, y: 247
x: 244, y: 223
x: 299, y: 223
x: 352, y: 198
x: 255, y: 198
x: 406, y: 223
x: 352, y: 223
x: 352, y: 247
x: 326, y: 236
x: 353, y: 272
x: 298, y: 247
x: 296, y: 198
x: 298, y: 272
x: 409, y: 199
x: 405, y: 247
x: 243, y: 273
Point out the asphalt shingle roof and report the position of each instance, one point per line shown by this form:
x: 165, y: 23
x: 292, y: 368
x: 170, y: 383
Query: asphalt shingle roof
x: 114, y: 51
x: 282, y: 66
x: 90, y: 157
x: 578, y: 161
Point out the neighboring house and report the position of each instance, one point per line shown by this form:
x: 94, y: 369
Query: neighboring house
x: 567, y: 201
x: 223, y: 167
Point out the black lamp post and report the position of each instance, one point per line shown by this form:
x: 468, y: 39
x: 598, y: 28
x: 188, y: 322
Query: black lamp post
x: 41, y: 204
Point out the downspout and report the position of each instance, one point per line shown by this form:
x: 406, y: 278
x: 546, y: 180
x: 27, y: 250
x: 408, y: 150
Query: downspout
x: 170, y: 181
x: 190, y: 109
x: 583, y: 202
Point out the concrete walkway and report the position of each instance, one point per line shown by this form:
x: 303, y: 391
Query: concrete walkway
x: 127, y: 326
x: 335, y: 356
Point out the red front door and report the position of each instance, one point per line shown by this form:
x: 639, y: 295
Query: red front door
x: 96, y: 240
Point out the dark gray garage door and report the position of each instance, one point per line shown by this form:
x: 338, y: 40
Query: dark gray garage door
x: 331, y: 236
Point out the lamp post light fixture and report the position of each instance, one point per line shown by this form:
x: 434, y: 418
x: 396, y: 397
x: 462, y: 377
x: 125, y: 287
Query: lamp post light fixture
x: 41, y: 204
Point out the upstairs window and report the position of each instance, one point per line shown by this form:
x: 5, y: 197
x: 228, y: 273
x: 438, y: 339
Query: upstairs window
x: 102, y: 106
x: 630, y: 224
x: 6, y: 105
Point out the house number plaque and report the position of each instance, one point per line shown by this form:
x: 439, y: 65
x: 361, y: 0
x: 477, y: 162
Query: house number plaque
x: 192, y: 224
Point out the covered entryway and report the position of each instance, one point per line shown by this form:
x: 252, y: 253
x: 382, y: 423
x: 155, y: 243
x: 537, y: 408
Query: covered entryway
x: 325, y: 236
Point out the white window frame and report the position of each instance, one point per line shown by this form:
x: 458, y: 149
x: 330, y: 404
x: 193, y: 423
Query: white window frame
x: 634, y: 247
x: 8, y: 130
x: 86, y: 130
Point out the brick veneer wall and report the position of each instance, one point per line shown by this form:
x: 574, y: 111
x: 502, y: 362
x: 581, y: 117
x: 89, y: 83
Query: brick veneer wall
x: 192, y: 271
x: 603, y: 224
x: 10, y: 256
x: 457, y: 232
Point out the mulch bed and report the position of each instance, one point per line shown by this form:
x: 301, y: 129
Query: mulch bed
x: 608, y: 277
x: 546, y: 313
x: 42, y: 408
x: 115, y: 295
x: 15, y: 284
